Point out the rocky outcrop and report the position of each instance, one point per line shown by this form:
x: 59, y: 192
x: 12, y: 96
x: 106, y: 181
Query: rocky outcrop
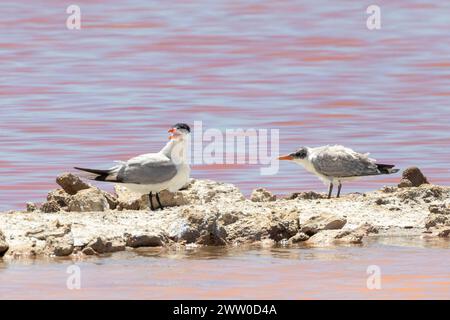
x: 77, y: 196
x: 412, y: 177
x: 299, y: 237
x: 104, y: 245
x: 88, y: 200
x: 262, y: 195
x: 195, y: 192
x: 145, y: 240
x: 71, y: 184
x: 438, y: 221
x: 3, y: 244
x: 338, y: 237
x: 324, y: 221
x: 309, y: 195
x: 208, y: 213
x: 31, y: 207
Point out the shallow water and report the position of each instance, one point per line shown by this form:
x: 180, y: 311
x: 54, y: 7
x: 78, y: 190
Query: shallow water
x: 311, y: 69
x: 409, y: 269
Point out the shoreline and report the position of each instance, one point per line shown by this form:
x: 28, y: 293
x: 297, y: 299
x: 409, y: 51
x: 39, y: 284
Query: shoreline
x: 82, y: 220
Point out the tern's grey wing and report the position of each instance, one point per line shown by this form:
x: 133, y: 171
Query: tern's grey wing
x: 149, y: 169
x: 339, y: 163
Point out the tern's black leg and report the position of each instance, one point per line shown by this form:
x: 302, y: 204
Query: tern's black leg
x: 150, y: 198
x: 330, y: 190
x: 159, y: 202
x: 339, y: 190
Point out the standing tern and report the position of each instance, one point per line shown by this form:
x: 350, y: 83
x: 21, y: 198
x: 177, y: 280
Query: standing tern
x: 335, y: 164
x: 151, y: 173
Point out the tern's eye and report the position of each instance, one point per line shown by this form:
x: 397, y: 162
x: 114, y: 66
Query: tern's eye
x: 300, y: 154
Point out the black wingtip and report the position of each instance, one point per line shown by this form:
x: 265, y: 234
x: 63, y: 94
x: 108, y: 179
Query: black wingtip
x: 387, y: 168
x: 94, y: 171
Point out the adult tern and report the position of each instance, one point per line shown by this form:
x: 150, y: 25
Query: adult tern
x: 335, y: 164
x: 151, y: 173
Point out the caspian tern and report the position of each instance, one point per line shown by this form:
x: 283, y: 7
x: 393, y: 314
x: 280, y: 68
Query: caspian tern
x: 335, y: 164
x: 151, y: 173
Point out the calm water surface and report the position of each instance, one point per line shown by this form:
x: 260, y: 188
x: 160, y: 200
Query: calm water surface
x: 311, y: 69
x: 410, y: 269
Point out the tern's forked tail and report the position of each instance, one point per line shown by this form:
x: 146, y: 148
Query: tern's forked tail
x: 387, y: 168
x: 101, y: 175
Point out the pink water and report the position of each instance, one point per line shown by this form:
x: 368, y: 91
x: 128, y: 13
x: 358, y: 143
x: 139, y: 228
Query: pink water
x: 419, y: 271
x: 311, y: 69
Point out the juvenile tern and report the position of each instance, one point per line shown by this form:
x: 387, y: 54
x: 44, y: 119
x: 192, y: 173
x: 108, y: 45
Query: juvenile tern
x: 335, y: 164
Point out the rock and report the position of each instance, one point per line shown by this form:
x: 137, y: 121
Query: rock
x: 439, y: 216
x: 323, y: 238
x: 405, y: 183
x: 444, y: 233
x: 88, y: 251
x: 262, y: 195
x: 388, y: 189
x: 31, y: 207
x: 206, y: 191
x: 196, y: 192
x: 299, y: 237
x: 102, y: 245
x: 426, y: 193
x: 167, y: 199
x: 58, y: 238
x: 171, y: 199
x: 71, y: 183
x: 325, y: 221
x: 88, y: 200
x: 282, y: 226
x: 202, y: 228
x: 55, y: 230
x: 130, y: 205
x: 356, y: 235
x: 366, y: 229
x: 381, y: 201
x: 144, y: 240
x: 310, y: 195
x: 349, y: 237
x: 60, y: 196
x: 112, y: 200
x: 212, y: 213
x: 412, y: 177
x: 210, y: 231
x: 3, y: 244
x: 228, y: 218
x: 440, y: 209
x: 50, y: 207
x: 127, y: 200
x: 59, y: 246
x: 212, y: 234
x: 338, y: 237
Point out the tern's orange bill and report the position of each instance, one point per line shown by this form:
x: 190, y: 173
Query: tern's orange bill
x: 172, y: 130
x: 288, y: 157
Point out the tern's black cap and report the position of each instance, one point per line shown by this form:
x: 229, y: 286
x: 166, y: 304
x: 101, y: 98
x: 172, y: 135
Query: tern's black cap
x: 182, y: 126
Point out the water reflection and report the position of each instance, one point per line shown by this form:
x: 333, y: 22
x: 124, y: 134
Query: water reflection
x: 238, y: 273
